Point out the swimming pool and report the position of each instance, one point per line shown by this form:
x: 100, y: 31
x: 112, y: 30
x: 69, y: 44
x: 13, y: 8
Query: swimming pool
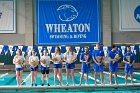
x: 9, y: 80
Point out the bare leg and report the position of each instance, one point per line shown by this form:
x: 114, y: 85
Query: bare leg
x: 110, y: 78
x: 17, y: 77
x: 95, y: 75
x: 55, y: 75
x: 81, y: 78
x: 102, y: 77
x: 35, y: 77
x: 86, y: 78
x: 32, y: 77
x: 115, y: 77
x: 126, y: 76
x: 131, y: 78
x: 60, y: 76
x: 67, y: 76
x: 42, y: 79
x: 72, y: 74
x: 20, y: 77
x: 47, y: 79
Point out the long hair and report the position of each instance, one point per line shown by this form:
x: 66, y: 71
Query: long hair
x: 58, y: 50
x: 32, y: 51
x: 20, y: 52
x: 71, y: 51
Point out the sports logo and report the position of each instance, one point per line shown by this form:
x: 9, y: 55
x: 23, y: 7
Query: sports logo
x: 67, y: 13
x: 137, y: 14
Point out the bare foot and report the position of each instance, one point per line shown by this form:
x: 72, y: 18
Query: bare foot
x: 73, y: 84
x: 103, y: 83
x: 67, y: 84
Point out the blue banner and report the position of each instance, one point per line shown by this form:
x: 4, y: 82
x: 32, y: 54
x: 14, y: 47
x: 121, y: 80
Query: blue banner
x: 68, y: 22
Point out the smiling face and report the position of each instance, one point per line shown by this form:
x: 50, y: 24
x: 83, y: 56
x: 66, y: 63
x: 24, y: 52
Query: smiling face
x: 97, y: 45
x: 18, y: 52
x: 114, y: 48
x: 128, y: 49
x: 86, y: 49
x: 33, y: 52
x: 70, y: 49
x: 45, y: 52
x: 57, y: 50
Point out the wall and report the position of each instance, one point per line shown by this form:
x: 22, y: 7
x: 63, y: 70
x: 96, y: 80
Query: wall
x: 24, y: 25
x: 109, y: 19
x: 118, y: 36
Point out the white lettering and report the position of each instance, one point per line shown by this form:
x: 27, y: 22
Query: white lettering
x: 64, y: 28
x: 49, y: 27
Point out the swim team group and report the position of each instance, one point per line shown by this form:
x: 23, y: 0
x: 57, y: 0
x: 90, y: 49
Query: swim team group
x: 97, y: 57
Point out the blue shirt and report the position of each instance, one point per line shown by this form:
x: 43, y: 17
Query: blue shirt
x: 131, y: 55
x: 98, y: 52
x: 87, y: 54
x: 112, y: 55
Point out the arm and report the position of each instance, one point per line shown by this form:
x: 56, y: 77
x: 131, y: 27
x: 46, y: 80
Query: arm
x: 81, y: 58
x: 74, y: 57
x: 53, y: 58
x: 94, y: 60
x: 124, y: 60
x: 65, y: 56
x: 110, y: 59
x: 37, y: 62
x: 133, y: 61
x: 14, y: 61
x: 41, y: 62
x: 62, y: 59
x: 30, y: 62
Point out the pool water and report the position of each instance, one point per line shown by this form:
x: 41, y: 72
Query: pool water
x: 10, y: 79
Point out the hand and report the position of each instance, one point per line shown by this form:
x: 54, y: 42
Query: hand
x: 71, y: 61
x: 99, y: 64
x: 130, y: 65
x: 115, y: 59
x: 17, y: 61
x: 55, y: 58
x: 60, y: 61
x: 86, y: 57
x: 113, y: 62
x: 86, y: 61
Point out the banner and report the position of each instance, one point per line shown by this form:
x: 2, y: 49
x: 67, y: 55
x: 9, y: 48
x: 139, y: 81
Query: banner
x: 129, y: 12
x: 7, y: 16
x: 68, y: 21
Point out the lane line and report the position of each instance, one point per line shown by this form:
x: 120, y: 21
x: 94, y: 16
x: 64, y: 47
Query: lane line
x: 3, y: 75
x: 120, y: 76
x: 137, y: 73
x: 26, y: 78
x: 91, y: 77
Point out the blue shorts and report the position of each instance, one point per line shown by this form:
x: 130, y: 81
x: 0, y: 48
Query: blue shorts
x: 98, y: 68
x: 85, y: 68
x: 57, y: 65
x: 129, y: 69
x: 44, y: 68
x: 33, y: 69
x: 113, y: 68
x: 70, y: 66
x: 18, y: 69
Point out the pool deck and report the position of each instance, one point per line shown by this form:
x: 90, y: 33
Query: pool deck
x: 83, y: 88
